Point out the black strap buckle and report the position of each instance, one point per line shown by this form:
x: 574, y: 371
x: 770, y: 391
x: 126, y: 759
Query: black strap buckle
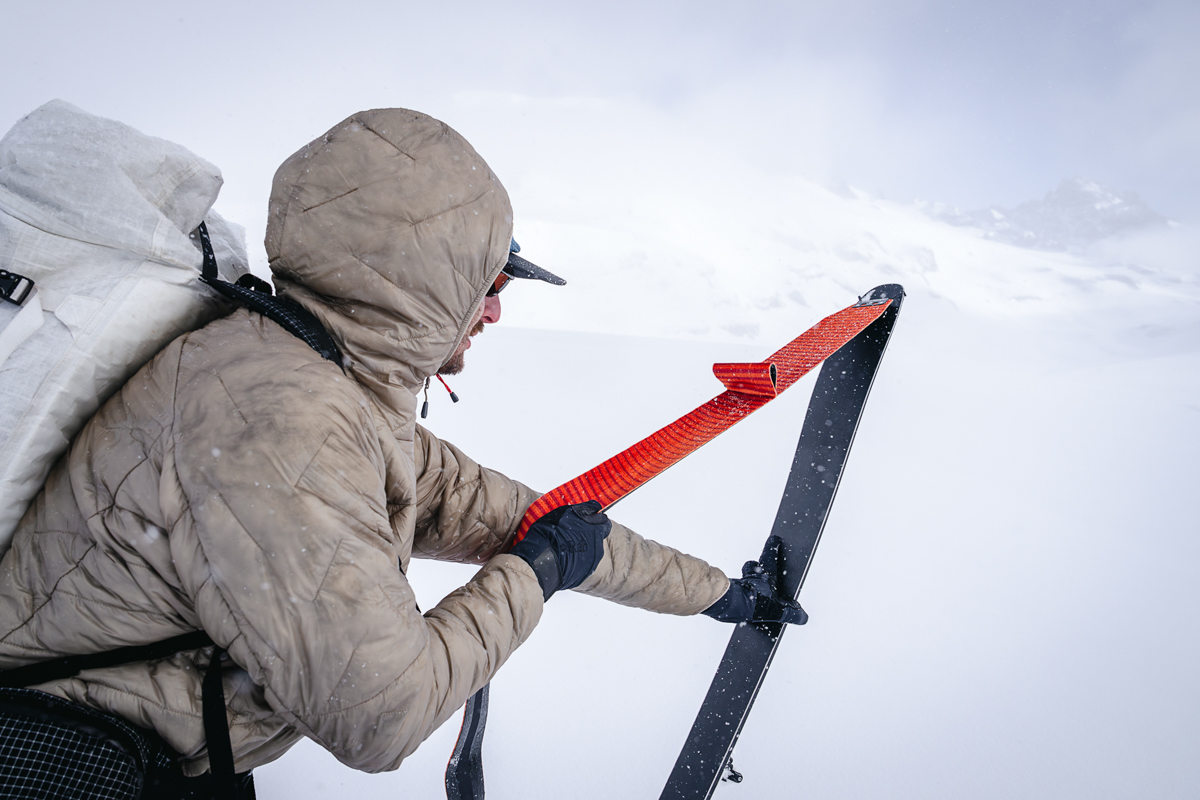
x: 13, y: 287
x: 729, y: 774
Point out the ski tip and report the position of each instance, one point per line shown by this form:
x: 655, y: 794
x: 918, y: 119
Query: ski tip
x: 881, y: 294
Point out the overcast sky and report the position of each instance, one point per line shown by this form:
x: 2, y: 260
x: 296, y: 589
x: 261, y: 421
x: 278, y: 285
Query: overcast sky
x: 666, y: 138
x: 969, y: 103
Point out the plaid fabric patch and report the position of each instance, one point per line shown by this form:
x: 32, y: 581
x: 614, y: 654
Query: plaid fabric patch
x: 52, y: 748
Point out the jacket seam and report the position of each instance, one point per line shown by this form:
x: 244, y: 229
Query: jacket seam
x: 431, y: 331
x: 179, y: 712
x: 330, y: 200
x: 385, y: 140
x: 328, y: 567
x: 30, y: 649
x: 422, y: 335
x: 379, y: 274
x: 402, y: 676
x: 50, y: 594
x: 229, y: 394
x: 316, y: 453
x: 241, y: 525
x: 115, y: 555
x: 89, y: 601
x: 148, y: 701
x: 328, y: 501
x: 439, y: 213
x: 112, y: 495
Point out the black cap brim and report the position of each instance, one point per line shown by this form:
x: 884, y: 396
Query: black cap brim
x: 520, y: 268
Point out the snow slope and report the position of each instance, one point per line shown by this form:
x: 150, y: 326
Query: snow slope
x: 1004, y: 603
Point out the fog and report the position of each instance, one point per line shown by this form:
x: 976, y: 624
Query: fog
x: 1005, y: 601
x: 966, y: 103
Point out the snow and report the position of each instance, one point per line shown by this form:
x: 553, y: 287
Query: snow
x: 1004, y: 599
x: 1004, y: 603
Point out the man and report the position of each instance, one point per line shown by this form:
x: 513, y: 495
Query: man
x: 242, y: 485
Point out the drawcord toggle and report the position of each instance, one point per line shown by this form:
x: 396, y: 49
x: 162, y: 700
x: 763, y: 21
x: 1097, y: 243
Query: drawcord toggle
x: 453, y: 396
x: 425, y: 405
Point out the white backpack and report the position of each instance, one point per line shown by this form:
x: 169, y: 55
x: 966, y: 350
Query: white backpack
x: 99, y: 218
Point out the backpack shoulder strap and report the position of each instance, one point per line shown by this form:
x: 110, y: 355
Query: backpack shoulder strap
x: 257, y: 296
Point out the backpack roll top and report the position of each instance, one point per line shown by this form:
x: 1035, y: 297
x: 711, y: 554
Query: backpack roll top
x: 101, y: 219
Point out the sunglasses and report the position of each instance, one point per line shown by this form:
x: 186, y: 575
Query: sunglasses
x: 502, y: 280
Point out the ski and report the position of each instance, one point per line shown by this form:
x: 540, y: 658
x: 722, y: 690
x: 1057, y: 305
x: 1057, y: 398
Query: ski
x: 748, y: 387
x: 829, y: 425
x: 464, y: 773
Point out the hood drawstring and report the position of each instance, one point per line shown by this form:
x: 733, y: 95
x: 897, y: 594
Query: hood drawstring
x: 453, y: 396
x: 425, y: 405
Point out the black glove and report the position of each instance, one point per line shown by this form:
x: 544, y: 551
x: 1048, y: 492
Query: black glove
x: 755, y: 596
x: 565, y: 546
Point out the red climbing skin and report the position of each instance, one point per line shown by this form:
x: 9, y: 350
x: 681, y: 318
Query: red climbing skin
x: 757, y: 378
x: 626, y: 471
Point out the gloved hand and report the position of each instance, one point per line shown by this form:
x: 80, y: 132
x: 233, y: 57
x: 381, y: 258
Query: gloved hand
x: 565, y: 546
x: 755, y: 596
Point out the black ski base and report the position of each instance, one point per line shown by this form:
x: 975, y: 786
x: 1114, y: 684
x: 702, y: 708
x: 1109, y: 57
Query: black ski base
x: 829, y: 425
x: 464, y: 773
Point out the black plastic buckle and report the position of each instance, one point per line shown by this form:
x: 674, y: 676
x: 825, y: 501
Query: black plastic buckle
x: 13, y: 287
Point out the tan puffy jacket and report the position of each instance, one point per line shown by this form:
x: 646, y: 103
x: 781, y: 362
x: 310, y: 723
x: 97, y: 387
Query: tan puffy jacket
x: 242, y: 485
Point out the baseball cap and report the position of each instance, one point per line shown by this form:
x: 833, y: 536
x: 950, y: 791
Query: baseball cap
x: 522, y: 268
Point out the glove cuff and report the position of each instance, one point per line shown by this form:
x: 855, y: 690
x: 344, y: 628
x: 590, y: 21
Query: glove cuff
x: 535, y: 550
x: 736, y: 605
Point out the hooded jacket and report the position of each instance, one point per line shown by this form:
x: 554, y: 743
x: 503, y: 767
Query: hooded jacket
x: 242, y: 485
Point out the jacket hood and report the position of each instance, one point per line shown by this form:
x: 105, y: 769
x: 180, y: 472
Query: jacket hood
x: 389, y: 228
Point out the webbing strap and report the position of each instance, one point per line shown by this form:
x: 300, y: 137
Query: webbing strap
x: 752, y: 386
x: 216, y: 730
x: 70, y: 666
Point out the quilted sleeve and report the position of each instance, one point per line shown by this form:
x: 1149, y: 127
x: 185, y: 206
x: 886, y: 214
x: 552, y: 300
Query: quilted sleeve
x: 642, y: 573
x: 282, y: 539
x: 467, y: 513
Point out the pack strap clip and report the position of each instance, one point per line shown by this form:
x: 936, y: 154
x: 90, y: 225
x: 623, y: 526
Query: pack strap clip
x: 13, y: 287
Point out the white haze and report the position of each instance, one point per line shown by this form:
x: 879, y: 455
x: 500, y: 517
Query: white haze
x: 1004, y: 600
x: 1004, y: 603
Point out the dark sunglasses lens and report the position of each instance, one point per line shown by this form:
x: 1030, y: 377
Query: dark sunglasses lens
x: 502, y: 280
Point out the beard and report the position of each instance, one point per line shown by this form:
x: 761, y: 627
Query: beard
x: 454, y: 365
x: 456, y: 362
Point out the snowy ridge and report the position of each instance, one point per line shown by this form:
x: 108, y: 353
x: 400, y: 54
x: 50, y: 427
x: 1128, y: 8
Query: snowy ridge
x: 1078, y: 213
x: 754, y: 269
